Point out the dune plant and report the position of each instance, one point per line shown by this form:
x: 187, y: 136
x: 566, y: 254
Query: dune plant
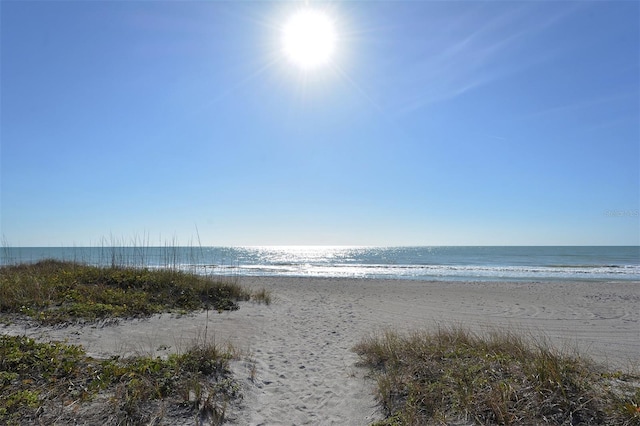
x: 43, y: 383
x: 53, y: 291
x: 498, y: 378
x: 261, y: 296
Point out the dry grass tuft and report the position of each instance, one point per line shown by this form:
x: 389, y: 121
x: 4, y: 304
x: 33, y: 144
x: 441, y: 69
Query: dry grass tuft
x: 261, y: 296
x: 498, y: 378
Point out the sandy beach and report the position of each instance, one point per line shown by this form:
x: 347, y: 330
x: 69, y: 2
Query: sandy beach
x: 297, y: 366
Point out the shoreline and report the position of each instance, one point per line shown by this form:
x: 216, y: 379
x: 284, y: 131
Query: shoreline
x: 422, y: 263
x: 297, y: 366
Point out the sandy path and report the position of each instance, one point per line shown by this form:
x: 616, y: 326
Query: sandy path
x: 305, y: 369
x: 300, y: 369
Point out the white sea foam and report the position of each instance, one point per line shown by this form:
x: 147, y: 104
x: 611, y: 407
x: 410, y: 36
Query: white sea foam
x: 435, y: 263
x: 444, y: 272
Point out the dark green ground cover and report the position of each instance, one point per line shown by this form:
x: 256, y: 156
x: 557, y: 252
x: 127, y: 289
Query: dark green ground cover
x: 46, y: 383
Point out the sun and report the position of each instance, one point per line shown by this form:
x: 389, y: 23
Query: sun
x: 309, y: 39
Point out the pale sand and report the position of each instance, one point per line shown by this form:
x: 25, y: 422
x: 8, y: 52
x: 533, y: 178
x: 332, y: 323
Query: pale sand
x: 299, y: 347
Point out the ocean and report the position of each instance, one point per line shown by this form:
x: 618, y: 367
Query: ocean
x: 486, y: 263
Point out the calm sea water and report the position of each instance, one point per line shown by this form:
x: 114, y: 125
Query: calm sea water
x: 433, y: 263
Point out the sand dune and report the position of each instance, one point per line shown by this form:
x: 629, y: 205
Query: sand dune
x: 298, y: 367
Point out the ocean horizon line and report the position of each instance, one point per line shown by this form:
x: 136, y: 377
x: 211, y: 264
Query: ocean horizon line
x: 135, y: 245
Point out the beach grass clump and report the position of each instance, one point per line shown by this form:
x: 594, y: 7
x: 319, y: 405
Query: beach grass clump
x: 261, y: 296
x: 53, y: 291
x: 498, y: 378
x: 46, y: 383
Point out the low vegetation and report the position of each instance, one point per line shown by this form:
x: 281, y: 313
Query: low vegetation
x: 55, y: 383
x: 52, y: 291
x: 262, y: 296
x: 495, y: 379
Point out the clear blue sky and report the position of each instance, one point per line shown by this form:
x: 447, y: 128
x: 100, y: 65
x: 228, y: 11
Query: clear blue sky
x: 437, y: 123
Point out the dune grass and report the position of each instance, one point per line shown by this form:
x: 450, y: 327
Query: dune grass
x: 262, y: 296
x: 498, y: 378
x: 53, y: 291
x: 47, y: 383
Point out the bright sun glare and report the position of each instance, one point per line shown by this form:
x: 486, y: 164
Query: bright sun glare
x: 309, y: 39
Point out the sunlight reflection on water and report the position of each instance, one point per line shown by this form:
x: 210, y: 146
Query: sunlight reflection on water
x: 439, y: 263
